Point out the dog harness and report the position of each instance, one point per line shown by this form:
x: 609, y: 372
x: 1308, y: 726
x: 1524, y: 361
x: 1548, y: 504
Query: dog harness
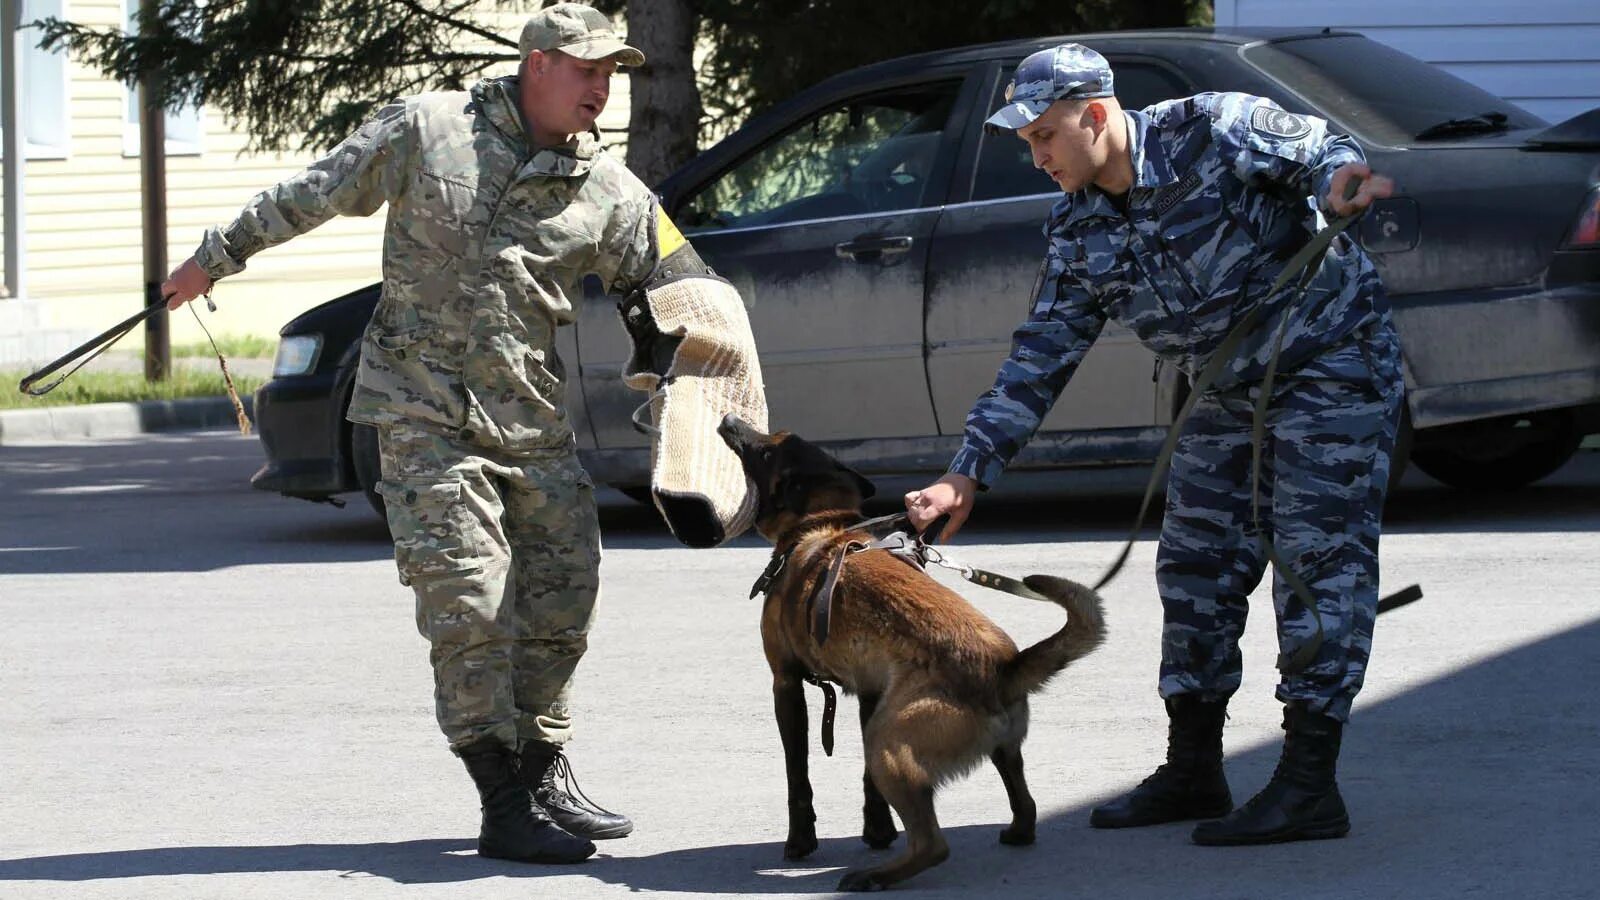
x: 891, y: 533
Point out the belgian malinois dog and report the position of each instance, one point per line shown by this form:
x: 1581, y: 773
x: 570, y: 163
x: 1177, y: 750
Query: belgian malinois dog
x: 940, y: 685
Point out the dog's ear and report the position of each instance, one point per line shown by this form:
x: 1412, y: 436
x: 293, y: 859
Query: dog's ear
x: 863, y: 484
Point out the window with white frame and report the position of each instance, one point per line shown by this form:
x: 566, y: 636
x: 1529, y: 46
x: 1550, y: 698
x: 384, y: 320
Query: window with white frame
x: 185, y: 127
x: 43, y: 87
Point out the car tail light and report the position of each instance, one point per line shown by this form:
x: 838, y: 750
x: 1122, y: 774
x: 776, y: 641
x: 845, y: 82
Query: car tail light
x: 1586, y: 234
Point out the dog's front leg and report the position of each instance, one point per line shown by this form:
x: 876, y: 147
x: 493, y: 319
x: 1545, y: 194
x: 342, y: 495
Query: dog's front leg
x: 789, y: 702
x: 877, y: 829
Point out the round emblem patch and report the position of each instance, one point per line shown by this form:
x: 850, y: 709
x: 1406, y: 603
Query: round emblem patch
x: 1278, y: 123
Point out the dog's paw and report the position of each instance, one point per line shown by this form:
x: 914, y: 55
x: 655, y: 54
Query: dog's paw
x: 862, y: 880
x: 800, y: 846
x: 879, y: 836
x: 1017, y: 837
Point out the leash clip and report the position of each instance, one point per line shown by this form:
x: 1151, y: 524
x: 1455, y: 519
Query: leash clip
x: 932, y: 556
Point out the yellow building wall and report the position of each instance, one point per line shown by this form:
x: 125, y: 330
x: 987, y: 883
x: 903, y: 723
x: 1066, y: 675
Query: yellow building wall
x: 84, y: 253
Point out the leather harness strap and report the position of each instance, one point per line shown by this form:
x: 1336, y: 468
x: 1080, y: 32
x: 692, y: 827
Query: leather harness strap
x: 819, y: 605
x: 830, y: 705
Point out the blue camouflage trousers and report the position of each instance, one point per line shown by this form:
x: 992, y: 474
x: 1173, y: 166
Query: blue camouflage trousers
x: 1330, y: 429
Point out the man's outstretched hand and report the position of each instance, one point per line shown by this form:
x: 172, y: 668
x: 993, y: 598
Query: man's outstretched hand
x: 951, y: 495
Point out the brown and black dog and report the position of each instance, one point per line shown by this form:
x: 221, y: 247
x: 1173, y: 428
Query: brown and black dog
x: 940, y: 685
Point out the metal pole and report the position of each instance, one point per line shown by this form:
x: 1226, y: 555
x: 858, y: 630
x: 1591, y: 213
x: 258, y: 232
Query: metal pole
x: 153, y: 178
x: 14, y: 148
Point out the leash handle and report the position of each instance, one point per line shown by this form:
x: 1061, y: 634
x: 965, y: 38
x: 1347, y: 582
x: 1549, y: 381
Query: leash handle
x: 101, y: 341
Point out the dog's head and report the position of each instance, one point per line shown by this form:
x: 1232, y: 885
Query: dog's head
x: 792, y: 477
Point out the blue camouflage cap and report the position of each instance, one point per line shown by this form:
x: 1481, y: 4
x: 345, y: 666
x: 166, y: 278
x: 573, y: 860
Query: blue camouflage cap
x: 1068, y: 71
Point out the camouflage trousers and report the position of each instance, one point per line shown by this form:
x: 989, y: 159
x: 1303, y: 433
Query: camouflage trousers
x: 503, y: 553
x: 1330, y: 429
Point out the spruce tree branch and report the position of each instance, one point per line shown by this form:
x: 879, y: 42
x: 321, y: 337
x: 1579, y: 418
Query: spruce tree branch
x: 469, y: 28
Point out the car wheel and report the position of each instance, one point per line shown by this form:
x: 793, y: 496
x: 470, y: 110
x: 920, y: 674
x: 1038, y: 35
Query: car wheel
x: 1499, y: 455
x: 364, y: 457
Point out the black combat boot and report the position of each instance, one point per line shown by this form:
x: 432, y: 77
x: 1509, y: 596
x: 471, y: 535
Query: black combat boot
x: 566, y: 803
x: 1301, y: 802
x: 513, y: 827
x: 1190, y: 785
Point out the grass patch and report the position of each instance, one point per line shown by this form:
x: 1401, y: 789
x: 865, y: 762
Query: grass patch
x: 233, y: 346
x: 122, y: 387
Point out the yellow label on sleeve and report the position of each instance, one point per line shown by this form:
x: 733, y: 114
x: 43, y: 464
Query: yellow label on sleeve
x: 668, y: 237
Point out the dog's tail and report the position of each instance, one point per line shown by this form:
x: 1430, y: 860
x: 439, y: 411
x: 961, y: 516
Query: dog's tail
x: 1084, y: 631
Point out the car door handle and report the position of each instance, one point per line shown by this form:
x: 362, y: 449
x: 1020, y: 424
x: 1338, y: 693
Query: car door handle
x: 873, y: 248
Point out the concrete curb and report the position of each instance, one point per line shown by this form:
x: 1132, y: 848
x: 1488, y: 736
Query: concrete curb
x: 112, y: 420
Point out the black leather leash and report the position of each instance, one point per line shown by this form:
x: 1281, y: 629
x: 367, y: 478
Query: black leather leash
x: 102, y: 342
x: 99, y: 344
x: 1303, y: 266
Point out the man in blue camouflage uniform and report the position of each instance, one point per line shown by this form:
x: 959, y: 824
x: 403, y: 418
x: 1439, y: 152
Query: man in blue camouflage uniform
x: 1176, y: 222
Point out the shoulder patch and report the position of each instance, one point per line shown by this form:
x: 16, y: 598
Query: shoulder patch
x: 1278, y: 123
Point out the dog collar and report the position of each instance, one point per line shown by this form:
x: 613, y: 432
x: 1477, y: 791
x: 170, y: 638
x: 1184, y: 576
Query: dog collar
x: 770, y: 573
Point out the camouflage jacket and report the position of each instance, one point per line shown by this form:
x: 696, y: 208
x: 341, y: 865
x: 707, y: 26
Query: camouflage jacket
x: 486, y: 245
x: 1219, y: 202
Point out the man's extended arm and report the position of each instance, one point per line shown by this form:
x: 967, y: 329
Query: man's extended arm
x: 355, y: 179
x: 1045, y: 351
x: 1259, y: 139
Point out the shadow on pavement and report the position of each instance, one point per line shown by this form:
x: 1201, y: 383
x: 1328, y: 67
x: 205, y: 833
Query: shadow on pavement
x: 1481, y: 783
x: 184, y: 503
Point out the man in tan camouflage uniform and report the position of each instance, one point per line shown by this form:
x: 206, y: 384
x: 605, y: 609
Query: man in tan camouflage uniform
x: 500, y: 202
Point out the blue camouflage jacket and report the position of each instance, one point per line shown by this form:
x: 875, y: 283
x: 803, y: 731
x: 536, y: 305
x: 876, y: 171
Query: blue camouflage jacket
x: 1220, y: 201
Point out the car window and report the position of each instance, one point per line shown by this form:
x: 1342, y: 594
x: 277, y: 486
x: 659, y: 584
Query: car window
x: 868, y: 155
x: 1005, y: 166
x: 1354, y: 78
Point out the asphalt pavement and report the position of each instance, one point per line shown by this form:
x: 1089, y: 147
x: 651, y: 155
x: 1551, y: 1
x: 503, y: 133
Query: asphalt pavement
x: 211, y: 692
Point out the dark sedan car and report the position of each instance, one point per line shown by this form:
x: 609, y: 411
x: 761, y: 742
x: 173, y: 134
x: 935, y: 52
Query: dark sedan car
x: 886, y: 246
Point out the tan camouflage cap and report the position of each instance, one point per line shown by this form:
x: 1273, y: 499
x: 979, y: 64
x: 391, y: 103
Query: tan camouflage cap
x: 578, y: 30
